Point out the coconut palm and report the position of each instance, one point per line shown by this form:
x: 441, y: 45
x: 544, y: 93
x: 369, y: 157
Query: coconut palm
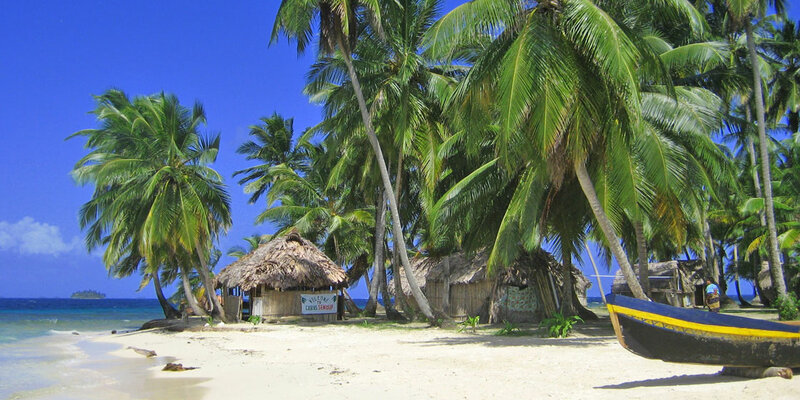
x: 404, y: 90
x: 271, y: 145
x: 154, y: 192
x: 561, y: 93
x: 743, y: 13
x: 338, y: 23
x: 253, y: 242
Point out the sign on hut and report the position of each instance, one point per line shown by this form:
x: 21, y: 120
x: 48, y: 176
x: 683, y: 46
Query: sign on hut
x: 283, y: 277
x: 526, y: 291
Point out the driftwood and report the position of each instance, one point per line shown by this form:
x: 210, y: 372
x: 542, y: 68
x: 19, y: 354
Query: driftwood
x: 176, y: 367
x: 144, y: 352
x: 757, y: 372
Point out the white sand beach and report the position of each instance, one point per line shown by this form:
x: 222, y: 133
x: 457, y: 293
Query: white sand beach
x: 348, y: 361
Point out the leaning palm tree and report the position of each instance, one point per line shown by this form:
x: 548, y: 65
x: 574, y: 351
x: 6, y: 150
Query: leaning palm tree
x: 154, y: 191
x: 338, y: 23
x: 404, y: 90
x: 744, y: 12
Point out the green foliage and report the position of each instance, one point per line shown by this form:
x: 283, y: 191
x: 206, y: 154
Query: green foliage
x: 254, y: 319
x: 470, y: 323
x: 210, y: 321
x: 508, y: 329
x: 560, y: 326
x: 788, y: 307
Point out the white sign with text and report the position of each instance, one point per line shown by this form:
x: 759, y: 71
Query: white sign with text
x: 318, y: 303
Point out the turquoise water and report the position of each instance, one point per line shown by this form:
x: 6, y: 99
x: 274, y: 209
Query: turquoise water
x: 43, y: 351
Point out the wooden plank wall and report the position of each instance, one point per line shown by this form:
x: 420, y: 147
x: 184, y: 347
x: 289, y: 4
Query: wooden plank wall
x: 465, y: 299
x: 276, y: 304
x: 233, y: 307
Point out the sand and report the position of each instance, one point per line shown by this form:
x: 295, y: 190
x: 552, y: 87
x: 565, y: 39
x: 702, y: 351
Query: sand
x: 353, y: 361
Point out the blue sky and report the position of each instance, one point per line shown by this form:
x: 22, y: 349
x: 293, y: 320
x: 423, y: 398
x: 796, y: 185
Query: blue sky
x: 57, y: 54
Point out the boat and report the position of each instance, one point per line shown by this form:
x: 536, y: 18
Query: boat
x: 686, y: 335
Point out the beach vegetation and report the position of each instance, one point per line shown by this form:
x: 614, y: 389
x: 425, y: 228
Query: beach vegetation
x: 560, y: 326
x: 788, y: 307
x: 509, y: 329
x: 470, y: 323
x: 254, y: 319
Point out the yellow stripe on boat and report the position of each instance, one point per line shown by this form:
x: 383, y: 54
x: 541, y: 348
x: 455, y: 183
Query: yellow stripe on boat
x: 728, y: 330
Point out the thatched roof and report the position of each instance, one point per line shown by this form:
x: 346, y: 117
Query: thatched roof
x: 690, y: 272
x: 286, y: 262
x: 464, y: 270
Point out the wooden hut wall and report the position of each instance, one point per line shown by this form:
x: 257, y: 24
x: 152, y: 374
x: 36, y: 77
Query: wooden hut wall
x: 232, y: 304
x: 465, y: 299
x: 470, y: 299
x: 434, y: 292
x: 272, y: 304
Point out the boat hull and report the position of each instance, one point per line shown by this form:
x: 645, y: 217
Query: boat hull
x: 671, y: 334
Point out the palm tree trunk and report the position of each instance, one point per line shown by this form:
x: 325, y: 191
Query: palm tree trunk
x: 605, y: 225
x: 378, y: 270
x: 397, y: 231
x: 216, y: 308
x: 742, y: 302
x: 711, y: 254
x: 567, y: 306
x: 187, y: 291
x: 775, y: 267
x: 751, y: 151
x: 391, y: 312
x: 641, y: 248
x: 399, y: 296
x: 169, y: 311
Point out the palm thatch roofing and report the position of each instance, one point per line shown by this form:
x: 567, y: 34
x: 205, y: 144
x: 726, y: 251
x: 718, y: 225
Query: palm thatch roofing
x: 287, y: 262
x: 689, y: 273
x: 464, y: 269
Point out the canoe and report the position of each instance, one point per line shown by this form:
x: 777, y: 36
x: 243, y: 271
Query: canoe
x: 685, y: 335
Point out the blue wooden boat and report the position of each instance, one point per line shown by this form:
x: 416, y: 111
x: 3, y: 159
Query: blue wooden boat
x: 685, y: 335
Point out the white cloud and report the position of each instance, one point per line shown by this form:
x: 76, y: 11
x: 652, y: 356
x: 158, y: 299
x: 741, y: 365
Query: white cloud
x: 30, y: 237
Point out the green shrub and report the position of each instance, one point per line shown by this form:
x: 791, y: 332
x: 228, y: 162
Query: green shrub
x: 254, y: 319
x: 787, y: 307
x: 508, y: 329
x: 471, y: 323
x: 560, y: 326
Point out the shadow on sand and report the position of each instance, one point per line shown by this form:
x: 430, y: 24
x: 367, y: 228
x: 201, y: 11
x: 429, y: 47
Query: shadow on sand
x: 677, y: 380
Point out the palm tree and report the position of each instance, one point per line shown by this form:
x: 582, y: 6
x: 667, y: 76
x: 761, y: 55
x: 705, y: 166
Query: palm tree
x: 253, y: 242
x: 272, y: 145
x: 557, y: 85
x: 338, y: 30
x: 154, y: 192
x: 404, y: 90
x: 743, y: 12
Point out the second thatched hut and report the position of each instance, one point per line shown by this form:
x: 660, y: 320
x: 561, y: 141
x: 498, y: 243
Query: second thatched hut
x: 460, y: 285
x: 287, y: 276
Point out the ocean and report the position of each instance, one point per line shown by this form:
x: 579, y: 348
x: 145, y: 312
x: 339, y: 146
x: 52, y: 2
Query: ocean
x: 43, y: 351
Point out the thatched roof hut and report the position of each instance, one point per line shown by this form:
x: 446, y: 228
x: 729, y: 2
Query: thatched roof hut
x: 284, y: 263
x: 280, y: 278
x: 527, y: 290
x: 671, y: 282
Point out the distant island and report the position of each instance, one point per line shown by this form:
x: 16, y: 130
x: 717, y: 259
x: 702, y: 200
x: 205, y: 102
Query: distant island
x: 88, y: 294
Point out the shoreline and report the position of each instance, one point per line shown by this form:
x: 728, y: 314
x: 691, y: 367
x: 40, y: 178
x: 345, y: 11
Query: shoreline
x: 363, y: 358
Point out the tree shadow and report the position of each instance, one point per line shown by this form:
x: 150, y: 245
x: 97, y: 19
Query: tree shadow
x: 513, y: 341
x: 682, y: 380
